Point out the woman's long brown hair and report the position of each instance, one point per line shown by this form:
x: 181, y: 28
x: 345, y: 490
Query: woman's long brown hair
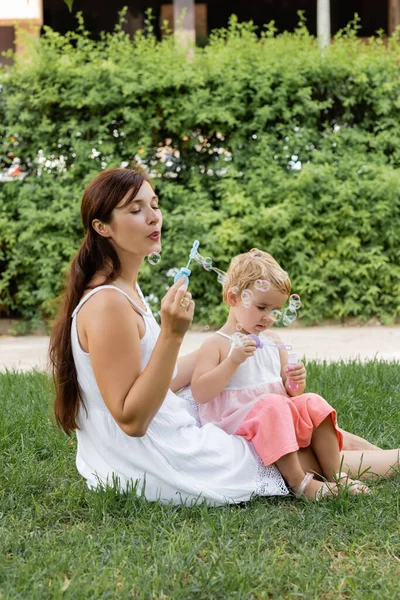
x: 96, y: 253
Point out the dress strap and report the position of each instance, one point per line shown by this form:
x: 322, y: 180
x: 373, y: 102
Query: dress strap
x: 228, y: 337
x: 139, y: 309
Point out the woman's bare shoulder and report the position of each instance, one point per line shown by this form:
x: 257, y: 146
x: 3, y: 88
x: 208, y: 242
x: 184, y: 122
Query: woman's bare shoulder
x: 107, y: 307
x: 108, y: 300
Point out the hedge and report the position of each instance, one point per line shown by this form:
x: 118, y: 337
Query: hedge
x: 258, y: 140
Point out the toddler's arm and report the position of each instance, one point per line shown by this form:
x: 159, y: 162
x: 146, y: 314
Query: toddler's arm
x: 211, y: 375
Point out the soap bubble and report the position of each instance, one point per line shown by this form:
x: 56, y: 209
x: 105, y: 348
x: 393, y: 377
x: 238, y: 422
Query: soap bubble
x: 262, y: 285
x: 207, y: 327
x: 238, y: 340
x: 154, y: 258
x: 198, y: 258
x: 247, y: 298
x: 295, y: 301
x: 289, y: 316
x: 207, y: 263
x: 239, y: 327
x: 276, y: 315
x: 235, y: 290
x: 221, y: 279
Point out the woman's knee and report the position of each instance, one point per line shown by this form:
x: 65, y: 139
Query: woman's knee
x: 314, y: 402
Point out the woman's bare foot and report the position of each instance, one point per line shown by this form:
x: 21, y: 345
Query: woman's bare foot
x: 353, y: 486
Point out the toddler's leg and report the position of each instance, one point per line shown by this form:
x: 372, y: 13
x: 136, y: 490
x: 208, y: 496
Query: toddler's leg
x: 300, y: 482
x: 317, y: 416
x: 309, y: 461
x: 325, y: 444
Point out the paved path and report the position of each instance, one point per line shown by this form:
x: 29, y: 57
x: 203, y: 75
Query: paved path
x: 321, y: 343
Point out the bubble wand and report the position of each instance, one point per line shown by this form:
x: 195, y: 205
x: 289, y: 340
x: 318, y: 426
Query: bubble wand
x: 238, y: 341
x: 185, y: 271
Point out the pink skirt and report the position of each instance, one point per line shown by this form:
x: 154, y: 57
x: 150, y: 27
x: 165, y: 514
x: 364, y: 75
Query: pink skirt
x: 277, y: 425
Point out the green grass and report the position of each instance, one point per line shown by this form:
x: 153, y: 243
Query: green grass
x: 59, y: 540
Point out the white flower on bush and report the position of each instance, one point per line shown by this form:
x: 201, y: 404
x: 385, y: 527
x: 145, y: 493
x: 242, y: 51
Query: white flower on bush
x: 94, y: 153
x: 295, y: 163
x: 165, y: 153
x: 172, y: 272
x: 152, y: 301
x: 50, y: 163
x: 151, y: 298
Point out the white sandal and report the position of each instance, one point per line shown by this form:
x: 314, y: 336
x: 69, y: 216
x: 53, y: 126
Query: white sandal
x: 323, y: 491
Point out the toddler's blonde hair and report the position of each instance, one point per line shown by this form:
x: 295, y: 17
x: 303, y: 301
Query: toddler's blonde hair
x: 246, y: 268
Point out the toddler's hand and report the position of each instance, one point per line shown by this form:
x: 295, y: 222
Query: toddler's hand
x: 239, y: 355
x: 297, y: 373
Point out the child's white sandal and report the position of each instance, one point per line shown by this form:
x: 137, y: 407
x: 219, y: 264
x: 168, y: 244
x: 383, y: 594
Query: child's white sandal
x: 324, y: 490
x: 308, y: 477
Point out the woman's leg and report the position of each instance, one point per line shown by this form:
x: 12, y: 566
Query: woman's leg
x: 355, y: 442
x: 371, y: 464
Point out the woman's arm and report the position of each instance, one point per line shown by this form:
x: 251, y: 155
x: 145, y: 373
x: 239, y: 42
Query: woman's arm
x: 185, y: 366
x: 133, y: 396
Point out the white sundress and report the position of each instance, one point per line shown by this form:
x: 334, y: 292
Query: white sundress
x: 176, y: 460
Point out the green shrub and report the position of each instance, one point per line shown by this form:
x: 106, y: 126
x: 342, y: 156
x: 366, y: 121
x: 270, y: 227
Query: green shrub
x: 271, y: 144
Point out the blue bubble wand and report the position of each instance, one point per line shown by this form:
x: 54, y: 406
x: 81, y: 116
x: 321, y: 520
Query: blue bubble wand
x: 185, y: 271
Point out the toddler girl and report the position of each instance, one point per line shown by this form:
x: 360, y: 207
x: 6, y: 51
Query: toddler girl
x: 245, y: 390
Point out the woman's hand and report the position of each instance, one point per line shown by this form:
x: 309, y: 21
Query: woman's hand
x: 239, y: 355
x: 177, y: 309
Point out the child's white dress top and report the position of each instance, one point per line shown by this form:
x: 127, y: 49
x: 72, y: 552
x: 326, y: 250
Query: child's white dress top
x: 175, y: 461
x: 257, y: 376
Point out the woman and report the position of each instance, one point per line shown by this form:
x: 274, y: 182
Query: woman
x: 115, y: 369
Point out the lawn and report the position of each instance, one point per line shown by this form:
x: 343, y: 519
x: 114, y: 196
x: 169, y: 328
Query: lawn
x: 59, y: 540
